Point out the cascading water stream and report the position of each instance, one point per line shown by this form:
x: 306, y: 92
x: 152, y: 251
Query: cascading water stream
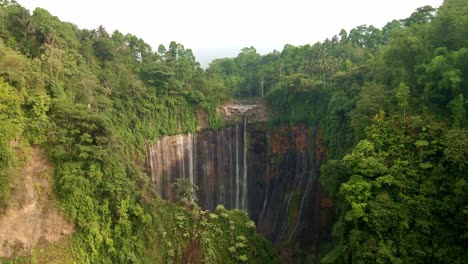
x: 215, y: 161
x: 219, y: 166
x: 244, y: 176
x: 210, y: 169
x: 301, y: 168
x: 232, y: 167
x: 237, y: 166
x: 304, y: 195
x: 181, y: 155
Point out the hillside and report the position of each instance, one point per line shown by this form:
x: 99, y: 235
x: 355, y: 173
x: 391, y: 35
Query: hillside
x: 91, y: 101
x: 31, y: 218
x: 383, y: 109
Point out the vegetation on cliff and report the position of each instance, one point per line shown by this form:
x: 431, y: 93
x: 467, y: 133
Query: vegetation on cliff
x: 392, y: 105
x: 93, y: 100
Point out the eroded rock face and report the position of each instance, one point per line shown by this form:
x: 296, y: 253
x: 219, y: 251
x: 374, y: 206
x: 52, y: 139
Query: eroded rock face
x: 215, y: 161
x: 236, y: 110
x: 272, y: 173
x: 288, y: 193
x: 31, y: 218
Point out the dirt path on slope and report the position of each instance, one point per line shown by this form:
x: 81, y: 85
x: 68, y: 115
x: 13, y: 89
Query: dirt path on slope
x: 31, y: 218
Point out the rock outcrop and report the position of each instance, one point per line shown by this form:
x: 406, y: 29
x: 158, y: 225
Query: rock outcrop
x: 235, y: 111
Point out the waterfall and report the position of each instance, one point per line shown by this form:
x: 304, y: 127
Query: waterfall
x: 190, y: 146
x: 181, y: 154
x: 150, y: 154
x: 194, y: 163
x: 231, y: 172
x: 237, y: 166
x: 304, y: 195
x: 265, y: 201
x: 301, y: 173
x: 220, y: 165
x: 165, y: 174
x: 215, y: 161
x: 271, y: 176
x: 156, y: 170
x: 244, y: 175
x: 210, y: 170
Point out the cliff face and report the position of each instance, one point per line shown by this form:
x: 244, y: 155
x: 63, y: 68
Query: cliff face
x: 270, y: 173
x: 289, y: 198
x: 215, y: 161
x: 235, y: 111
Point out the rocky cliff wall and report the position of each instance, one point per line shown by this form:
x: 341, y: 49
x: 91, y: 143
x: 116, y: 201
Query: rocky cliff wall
x: 272, y: 173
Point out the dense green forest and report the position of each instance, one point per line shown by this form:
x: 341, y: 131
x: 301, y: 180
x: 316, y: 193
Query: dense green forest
x: 93, y: 100
x: 391, y: 104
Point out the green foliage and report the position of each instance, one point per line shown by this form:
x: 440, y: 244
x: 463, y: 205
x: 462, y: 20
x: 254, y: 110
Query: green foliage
x: 94, y: 100
x: 221, y: 236
x: 402, y: 95
x: 401, y: 200
x: 37, y: 121
x: 11, y: 129
x: 381, y: 172
x: 300, y: 98
x: 185, y: 191
x: 10, y: 112
x: 390, y: 179
x: 371, y: 99
x: 457, y: 107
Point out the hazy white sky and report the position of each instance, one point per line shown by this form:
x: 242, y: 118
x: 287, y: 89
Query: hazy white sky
x: 220, y: 28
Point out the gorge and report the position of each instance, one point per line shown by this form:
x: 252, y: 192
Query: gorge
x: 348, y: 150
x: 269, y: 171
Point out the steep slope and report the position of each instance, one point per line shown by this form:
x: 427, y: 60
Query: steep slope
x: 32, y: 219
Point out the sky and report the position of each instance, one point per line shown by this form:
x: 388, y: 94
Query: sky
x: 221, y: 28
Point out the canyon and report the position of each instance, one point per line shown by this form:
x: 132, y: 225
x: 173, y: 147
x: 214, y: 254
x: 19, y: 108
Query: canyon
x: 269, y: 171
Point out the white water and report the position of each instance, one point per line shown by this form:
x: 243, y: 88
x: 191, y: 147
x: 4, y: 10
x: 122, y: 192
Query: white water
x: 302, y: 169
x: 219, y: 168
x: 190, y: 158
x: 181, y: 154
x: 215, y: 161
x: 244, y: 176
x: 304, y: 195
x: 237, y: 166
x: 193, y: 162
x: 164, y: 160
